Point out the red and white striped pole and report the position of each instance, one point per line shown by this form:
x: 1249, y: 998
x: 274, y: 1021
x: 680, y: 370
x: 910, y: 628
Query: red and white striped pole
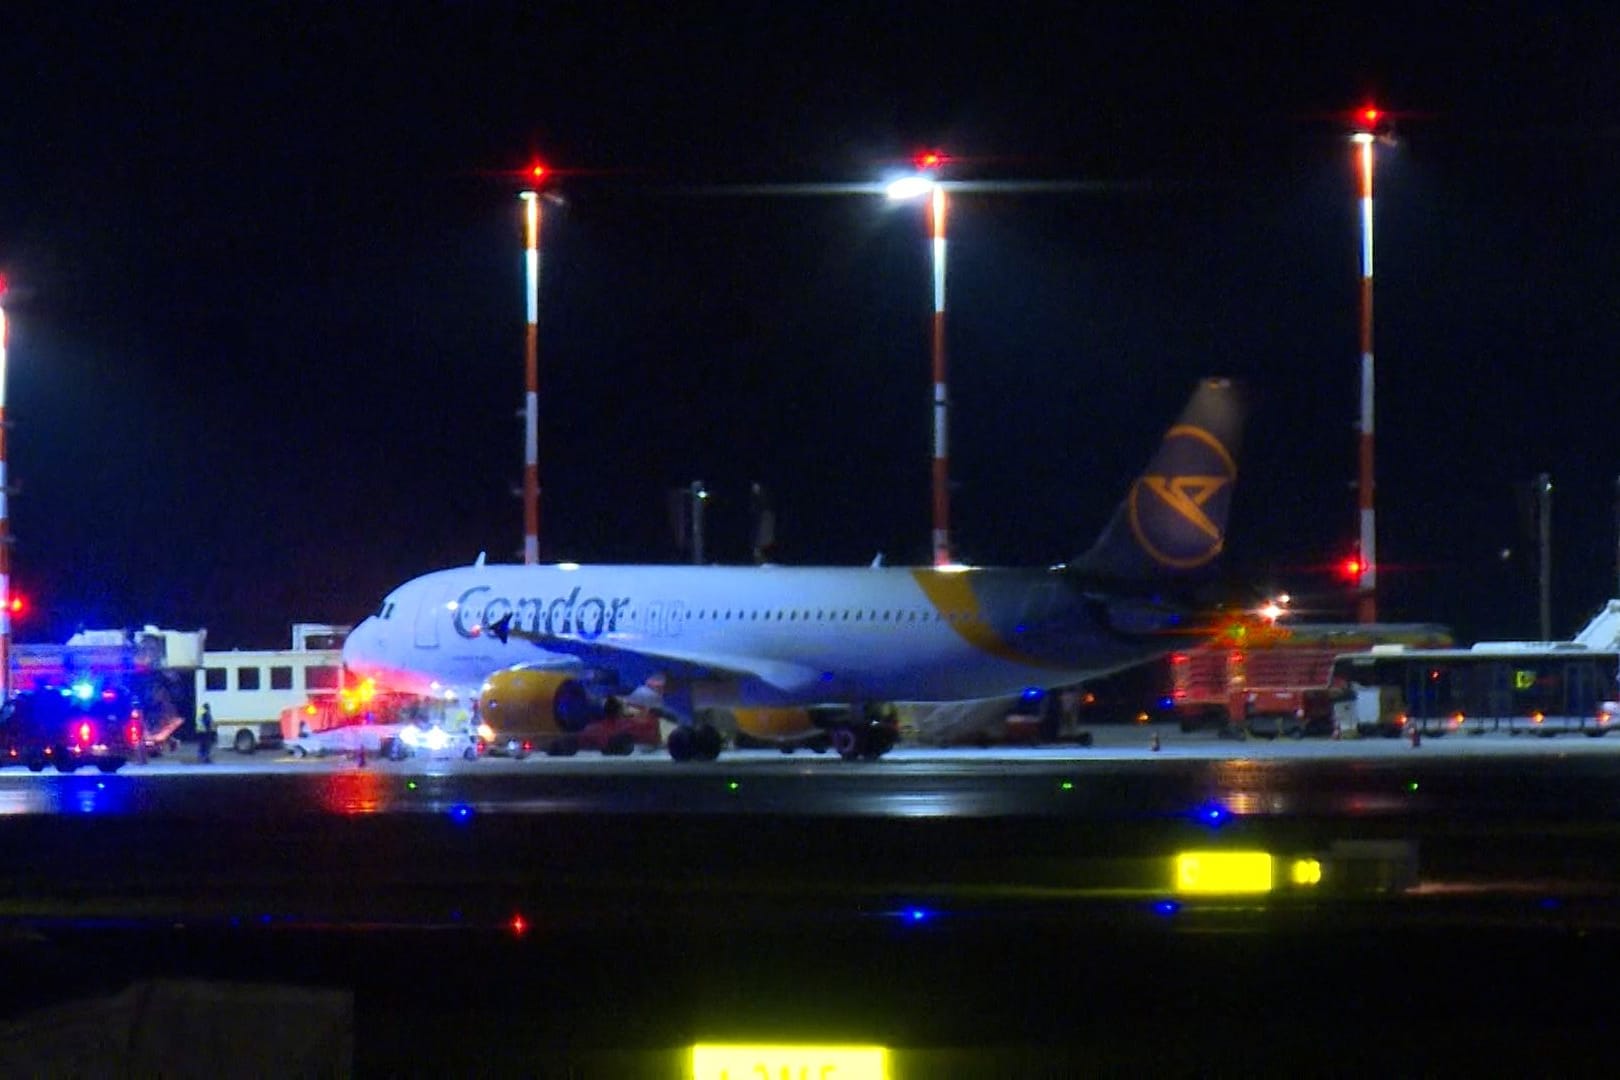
x: 531, y: 374
x: 910, y: 187
x: 941, y: 470
x: 5, y: 523
x: 1367, y: 585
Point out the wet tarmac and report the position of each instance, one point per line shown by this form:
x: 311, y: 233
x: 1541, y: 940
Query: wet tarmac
x: 1129, y: 774
x: 983, y: 912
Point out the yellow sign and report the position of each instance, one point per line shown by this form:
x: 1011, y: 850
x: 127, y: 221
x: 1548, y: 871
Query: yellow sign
x: 768, y: 1061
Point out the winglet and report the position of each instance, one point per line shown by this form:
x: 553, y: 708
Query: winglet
x: 1172, y: 523
x: 501, y: 627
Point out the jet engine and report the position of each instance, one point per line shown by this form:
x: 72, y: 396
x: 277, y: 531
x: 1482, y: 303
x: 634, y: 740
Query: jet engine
x: 523, y: 702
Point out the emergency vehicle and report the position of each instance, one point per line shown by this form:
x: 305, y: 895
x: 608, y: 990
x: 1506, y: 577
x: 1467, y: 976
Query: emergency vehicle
x: 70, y: 726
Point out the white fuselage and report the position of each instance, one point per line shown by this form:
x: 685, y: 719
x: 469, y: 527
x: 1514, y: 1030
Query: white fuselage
x: 744, y: 635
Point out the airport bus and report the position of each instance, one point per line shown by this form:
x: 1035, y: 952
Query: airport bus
x: 248, y: 689
x: 1534, y: 687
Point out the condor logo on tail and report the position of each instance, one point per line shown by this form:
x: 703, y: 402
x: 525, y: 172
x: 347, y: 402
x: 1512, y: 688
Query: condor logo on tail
x: 1178, y: 512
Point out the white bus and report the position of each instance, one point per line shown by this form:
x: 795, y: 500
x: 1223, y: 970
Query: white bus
x: 247, y: 689
x: 1536, y: 688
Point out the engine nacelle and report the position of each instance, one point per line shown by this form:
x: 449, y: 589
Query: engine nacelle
x: 776, y: 724
x: 525, y: 702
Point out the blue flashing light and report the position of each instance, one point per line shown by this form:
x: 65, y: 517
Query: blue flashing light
x: 1167, y: 702
x: 83, y: 691
x: 1032, y: 693
x: 1213, y: 814
x: 1550, y: 903
x: 461, y: 813
x: 1166, y: 907
x: 1174, y: 619
x: 917, y: 914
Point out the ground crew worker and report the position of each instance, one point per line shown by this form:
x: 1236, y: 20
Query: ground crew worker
x: 205, y: 735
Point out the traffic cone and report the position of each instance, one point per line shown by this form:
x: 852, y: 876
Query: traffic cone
x: 1154, y: 745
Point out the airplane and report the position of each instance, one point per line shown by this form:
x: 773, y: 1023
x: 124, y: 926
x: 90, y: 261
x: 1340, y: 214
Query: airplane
x: 813, y: 653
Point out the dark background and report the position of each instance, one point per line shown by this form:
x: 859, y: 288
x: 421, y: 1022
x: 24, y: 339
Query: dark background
x: 267, y: 301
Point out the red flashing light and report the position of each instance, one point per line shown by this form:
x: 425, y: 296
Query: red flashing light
x: 15, y: 605
x: 929, y: 159
x: 134, y: 734
x: 1350, y: 568
x: 85, y: 733
x: 537, y: 171
x: 518, y: 925
x: 1370, y: 115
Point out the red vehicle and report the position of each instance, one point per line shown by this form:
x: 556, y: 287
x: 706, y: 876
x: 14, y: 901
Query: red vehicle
x: 1264, y: 677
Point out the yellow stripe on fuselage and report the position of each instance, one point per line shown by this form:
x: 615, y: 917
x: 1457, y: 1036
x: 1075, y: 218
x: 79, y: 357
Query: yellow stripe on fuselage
x: 951, y: 593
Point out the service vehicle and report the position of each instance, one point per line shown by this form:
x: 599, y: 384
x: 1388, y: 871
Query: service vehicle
x: 1540, y: 688
x: 249, y: 689
x: 69, y: 727
x: 1263, y: 677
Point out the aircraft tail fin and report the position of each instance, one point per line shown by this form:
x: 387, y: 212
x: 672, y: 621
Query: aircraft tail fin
x: 1172, y: 523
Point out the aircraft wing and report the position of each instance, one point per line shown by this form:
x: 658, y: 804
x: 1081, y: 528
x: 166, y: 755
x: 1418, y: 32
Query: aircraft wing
x: 685, y: 664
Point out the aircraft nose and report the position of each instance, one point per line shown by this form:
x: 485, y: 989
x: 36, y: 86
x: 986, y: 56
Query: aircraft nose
x: 361, y: 646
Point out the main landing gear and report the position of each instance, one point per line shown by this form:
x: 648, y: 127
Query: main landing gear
x: 869, y: 740
x: 697, y: 742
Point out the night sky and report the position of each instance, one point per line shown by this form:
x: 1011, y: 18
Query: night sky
x: 267, y: 301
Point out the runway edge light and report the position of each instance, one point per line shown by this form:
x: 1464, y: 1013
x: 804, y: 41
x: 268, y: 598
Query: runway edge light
x: 1223, y: 873
x: 712, y: 1061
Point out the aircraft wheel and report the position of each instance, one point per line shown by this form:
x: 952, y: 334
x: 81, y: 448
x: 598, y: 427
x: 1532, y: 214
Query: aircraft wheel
x: 66, y: 763
x: 847, y: 741
x: 563, y: 746
x: 680, y: 744
x: 706, y: 742
x: 620, y: 745
x: 110, y: 765
x: 36, y: 764
x: 879, y: 740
